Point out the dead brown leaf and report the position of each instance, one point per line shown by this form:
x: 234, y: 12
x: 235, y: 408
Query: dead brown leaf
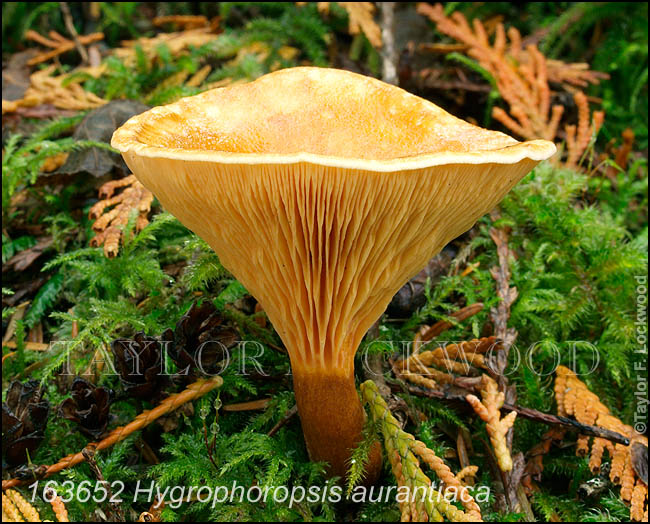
x: 23, y: 259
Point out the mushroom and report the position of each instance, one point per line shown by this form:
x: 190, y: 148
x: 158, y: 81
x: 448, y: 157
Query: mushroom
x: 322, y: 191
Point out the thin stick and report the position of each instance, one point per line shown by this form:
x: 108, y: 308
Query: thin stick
x: 500, y: 316
x: 89, y: 454
x: 428, y: 333
x: 209, y: 448
x: 69, y: 25
x: 284, y: 420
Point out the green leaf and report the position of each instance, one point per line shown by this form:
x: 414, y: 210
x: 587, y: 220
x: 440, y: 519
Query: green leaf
x: 45, y: 298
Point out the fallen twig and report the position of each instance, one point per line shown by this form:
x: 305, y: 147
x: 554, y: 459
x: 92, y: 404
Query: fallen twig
x: 284, y: 420
x: 251, y: 405
x: 530, y: 414
x: 427, y: 333
x: 58, y: 44
x: 192, y: 392
x: 69, y: 25
x: 89, y: 454
x: 501, y: 314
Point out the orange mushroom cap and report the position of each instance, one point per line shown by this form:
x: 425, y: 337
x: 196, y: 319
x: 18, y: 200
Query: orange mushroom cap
x: 323, y: 192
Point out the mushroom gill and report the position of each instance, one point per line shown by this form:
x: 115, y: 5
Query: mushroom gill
x: 323, y: 192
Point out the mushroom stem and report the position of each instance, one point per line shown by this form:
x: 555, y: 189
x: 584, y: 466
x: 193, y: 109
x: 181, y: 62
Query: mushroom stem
x: 332, y: 419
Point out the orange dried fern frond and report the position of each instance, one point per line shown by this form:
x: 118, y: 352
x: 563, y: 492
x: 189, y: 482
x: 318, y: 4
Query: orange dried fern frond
x: 10, y: 512
x: 467, y: 475
x: 623, y: 152
x: 61, y: 91
x: 434, y: 367
x: 522, y: 77
x: 184, y: 21
x: 576, y: 400
x: 578, y: 138
x: 457, y: 358
x: 178, y: 43
x: 15, y: 508
x: 475, y: 38
x: 58, y: 506
x: 66, y: 92
x: 109, y: 225
x: 57, y: 44
x: 361, y: 19
x: 489, y: 410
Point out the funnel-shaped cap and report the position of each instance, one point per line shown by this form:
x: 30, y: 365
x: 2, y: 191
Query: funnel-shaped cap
x: 323, y: 192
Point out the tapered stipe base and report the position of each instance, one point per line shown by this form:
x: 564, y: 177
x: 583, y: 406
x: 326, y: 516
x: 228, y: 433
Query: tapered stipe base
x: 332, y: 420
